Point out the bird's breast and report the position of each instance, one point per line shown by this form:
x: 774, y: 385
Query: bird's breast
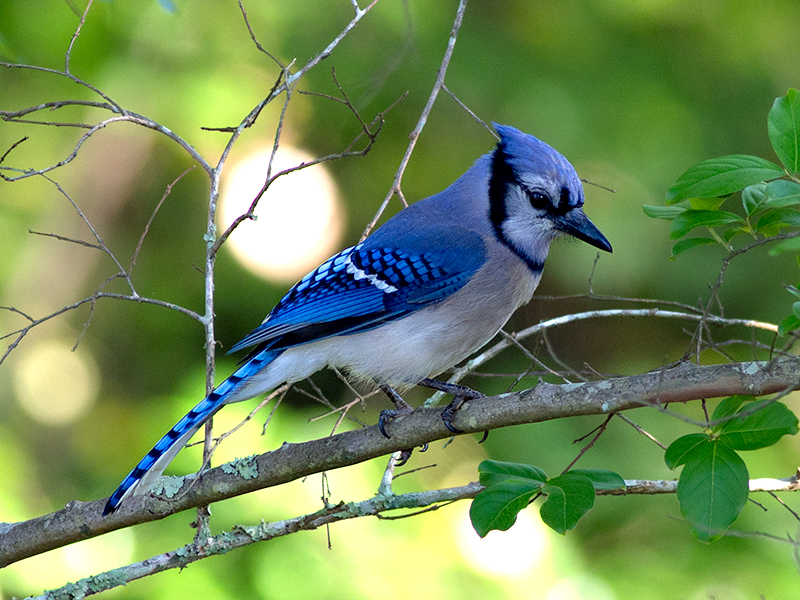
x: 435, y: 338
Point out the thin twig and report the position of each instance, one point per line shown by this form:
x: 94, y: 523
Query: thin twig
x: 75, y: 36
x: 347, y: 152
x: 471, y: 114
x: 493, y: 351
x: 255, y: 39
x: 714, y: 296
x: 21, y: 333
x: 600, y: 429
x: 66, y: 239
x: 167, y: 192
x: 395, y: 189
x: 641, y: 430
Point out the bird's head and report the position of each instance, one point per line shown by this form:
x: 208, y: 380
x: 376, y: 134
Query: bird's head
x: 535, y: 197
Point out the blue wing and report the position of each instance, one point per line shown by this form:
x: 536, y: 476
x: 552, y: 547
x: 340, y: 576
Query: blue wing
x: 368, y: 285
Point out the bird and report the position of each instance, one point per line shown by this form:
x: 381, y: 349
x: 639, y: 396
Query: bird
x: 425, y: 290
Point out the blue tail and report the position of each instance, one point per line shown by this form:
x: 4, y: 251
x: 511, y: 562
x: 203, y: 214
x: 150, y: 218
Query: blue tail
x: 165, y: 450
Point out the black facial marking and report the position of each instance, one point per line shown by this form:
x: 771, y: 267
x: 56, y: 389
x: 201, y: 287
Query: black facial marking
x: 564, y: 198
x: 501, y: 179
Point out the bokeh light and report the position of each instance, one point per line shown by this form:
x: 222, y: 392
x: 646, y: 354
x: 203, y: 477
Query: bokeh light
x: 300, y: 218
x: 516, y: 552
x: 55, y: 385
x: 74, y: 561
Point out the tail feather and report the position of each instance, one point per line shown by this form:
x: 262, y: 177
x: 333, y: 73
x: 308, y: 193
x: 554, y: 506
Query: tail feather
x: 166, y: 449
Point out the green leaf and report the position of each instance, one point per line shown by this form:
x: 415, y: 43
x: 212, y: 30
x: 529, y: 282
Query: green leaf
x: 689, y: 219
x: 683, y: 449
x: 685, y: 245
x: 732, y: 232
x: 784, y: 130
x: 788, y: 324
x: 497, y: 506
x: 764, y: 427
x: 569, y: 497
x: 790, y: 245
x: 712, y: 203
x: 712, y: 490
x: 493, y: 472
x: 662, y: 212
x: 722, y: 176
x: 793, y: 290
x: 782, y: 192
x: 781, y: 217
x: 602, y: 479
x: 728, y: 407
x: 752, y: 197
x: 796, y: 309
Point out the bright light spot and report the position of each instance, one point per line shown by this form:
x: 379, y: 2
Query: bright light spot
x: 510, y: 553
x: 54, y: 384
x: 51, y: 569
x: 299, y: 221
x: 100, y: 553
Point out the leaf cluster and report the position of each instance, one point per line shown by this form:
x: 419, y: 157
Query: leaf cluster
x: 770, y: 195
x: 712, y: 488
x: 713, y: 485
x: 511, y: 487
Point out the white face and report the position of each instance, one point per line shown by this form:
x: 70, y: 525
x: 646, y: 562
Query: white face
x: 529, y: 225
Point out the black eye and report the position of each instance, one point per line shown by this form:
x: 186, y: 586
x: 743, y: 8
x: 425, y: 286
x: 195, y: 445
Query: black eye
x: 539, y: 200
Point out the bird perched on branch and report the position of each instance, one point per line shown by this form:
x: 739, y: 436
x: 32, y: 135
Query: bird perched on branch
x: 432, y: 285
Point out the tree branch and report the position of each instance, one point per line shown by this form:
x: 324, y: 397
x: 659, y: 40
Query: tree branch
x: 243, y: 535
x: 686, y: 382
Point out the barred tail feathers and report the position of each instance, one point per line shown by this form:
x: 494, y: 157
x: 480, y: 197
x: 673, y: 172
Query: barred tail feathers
x: 166, y: 449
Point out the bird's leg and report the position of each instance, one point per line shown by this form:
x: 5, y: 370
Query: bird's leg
x: 401, y: 407
x: 460, y: 393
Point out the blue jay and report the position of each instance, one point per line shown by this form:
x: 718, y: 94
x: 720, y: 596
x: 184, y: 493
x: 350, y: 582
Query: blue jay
x: 435, y: 283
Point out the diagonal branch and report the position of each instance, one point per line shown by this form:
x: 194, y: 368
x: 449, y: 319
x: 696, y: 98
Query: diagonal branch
x: 493, y: 351
x: 686, y: 382
x: 21, y: 333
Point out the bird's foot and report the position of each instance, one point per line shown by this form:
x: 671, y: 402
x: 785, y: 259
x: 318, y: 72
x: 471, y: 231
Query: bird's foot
x: 401, y: 408
x: 460, y: 393
x: 449, y: 413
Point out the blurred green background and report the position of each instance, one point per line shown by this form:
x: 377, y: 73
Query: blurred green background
x: 633, y: 92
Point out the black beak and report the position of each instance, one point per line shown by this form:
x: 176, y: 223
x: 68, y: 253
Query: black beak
x: 578, y: 225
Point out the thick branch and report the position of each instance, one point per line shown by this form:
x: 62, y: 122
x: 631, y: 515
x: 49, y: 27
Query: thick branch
x: 81, y: 520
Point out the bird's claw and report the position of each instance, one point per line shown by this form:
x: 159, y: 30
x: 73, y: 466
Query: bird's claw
x: 401, y: 408
x: 384, y: 418
x: 460, y: 397
x: 449, y: 413
x: 404, y: 456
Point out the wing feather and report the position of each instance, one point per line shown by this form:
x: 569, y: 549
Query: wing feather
x: 364, y: 287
